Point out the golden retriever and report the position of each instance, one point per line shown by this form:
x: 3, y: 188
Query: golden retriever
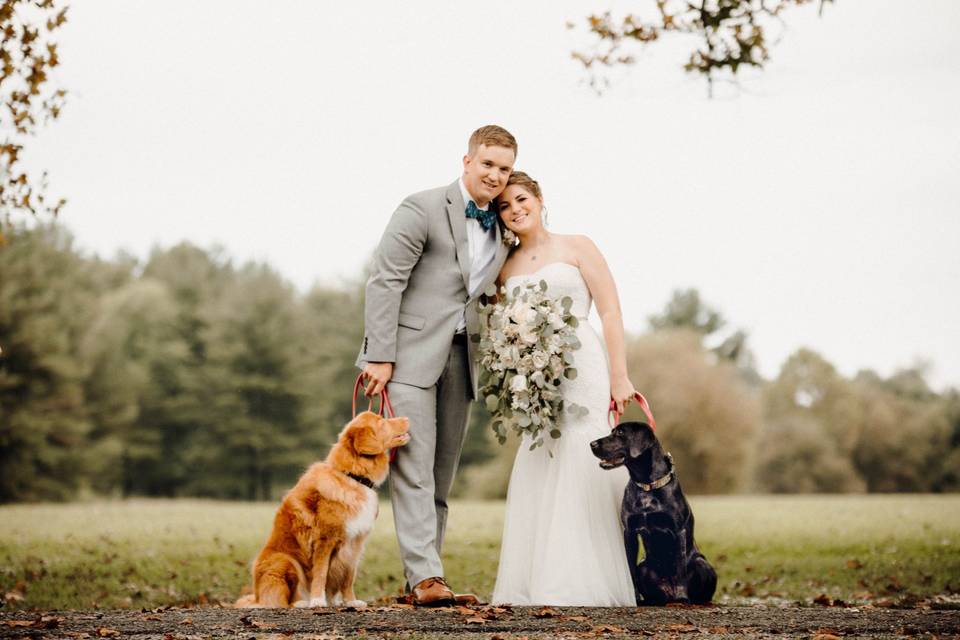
x: 311, y: 556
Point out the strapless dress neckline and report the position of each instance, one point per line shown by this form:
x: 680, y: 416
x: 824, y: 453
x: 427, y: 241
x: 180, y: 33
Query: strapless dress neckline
x: 549, y: 264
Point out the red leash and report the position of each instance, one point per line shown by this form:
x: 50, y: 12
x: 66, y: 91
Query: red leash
x: 643, y: 405
x: 384, y: 406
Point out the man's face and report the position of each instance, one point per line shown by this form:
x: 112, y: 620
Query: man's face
x: 485, y: 173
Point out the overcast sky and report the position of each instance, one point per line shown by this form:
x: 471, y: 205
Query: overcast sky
x: 815, y: 206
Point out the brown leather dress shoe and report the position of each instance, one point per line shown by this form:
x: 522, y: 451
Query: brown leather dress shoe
x: 432, y: 592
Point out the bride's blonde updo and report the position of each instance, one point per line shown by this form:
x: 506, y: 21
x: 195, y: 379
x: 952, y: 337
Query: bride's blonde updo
x: 525, y: 181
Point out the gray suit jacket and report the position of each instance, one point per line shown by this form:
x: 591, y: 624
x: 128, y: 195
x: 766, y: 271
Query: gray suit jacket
x: 420, y: 286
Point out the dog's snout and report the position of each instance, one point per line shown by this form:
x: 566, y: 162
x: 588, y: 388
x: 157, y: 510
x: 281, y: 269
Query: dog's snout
x: 595, y: 445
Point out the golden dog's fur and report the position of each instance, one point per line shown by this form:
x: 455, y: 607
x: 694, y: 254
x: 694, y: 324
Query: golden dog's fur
x: 311, y: 557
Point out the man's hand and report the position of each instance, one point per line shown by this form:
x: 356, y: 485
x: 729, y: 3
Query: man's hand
x: 376, y: 375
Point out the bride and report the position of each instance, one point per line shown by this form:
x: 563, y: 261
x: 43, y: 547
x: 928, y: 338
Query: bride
x: 562, y: 540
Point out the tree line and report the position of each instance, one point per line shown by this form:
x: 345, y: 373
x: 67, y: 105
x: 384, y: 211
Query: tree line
x: 189, y: 375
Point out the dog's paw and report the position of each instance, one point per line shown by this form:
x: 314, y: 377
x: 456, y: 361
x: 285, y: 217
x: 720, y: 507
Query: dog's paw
x: 357, y: 604
x: 302, y: 604
x: 318, y: 602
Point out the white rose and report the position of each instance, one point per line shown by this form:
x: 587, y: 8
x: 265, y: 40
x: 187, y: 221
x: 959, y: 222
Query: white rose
x: 555, y: 342
x: 556, y: 366
x: 525, y: 366
x: 556, y: 322
x: 540, y: 359
x: 528, y: 334
x: 537, y: 378
x: 518, y: 384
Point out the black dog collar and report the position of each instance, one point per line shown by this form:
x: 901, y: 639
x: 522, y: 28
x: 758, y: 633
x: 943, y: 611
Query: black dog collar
x: 661, y: 482
x: 364, y: 480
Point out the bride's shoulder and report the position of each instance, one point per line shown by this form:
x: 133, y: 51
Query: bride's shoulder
x: 577, y: 243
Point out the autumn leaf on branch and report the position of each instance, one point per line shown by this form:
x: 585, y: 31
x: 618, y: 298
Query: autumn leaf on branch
x: 726, y: 34
x: 27, y: 100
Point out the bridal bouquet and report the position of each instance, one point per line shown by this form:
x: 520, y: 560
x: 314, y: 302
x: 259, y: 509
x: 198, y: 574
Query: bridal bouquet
x: 526, y: 349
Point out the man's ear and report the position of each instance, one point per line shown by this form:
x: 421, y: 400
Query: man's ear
x: 366, y: 442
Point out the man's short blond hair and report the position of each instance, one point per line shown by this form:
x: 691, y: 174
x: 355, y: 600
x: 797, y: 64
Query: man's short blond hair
x: 491, y: 136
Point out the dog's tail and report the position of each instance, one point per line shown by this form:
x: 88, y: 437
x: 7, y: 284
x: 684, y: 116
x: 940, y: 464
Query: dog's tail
x: 246, y: 601
x: 248, y: 596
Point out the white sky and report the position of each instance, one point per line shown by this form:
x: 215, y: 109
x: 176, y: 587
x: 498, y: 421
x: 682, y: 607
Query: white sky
x: 816, y: 207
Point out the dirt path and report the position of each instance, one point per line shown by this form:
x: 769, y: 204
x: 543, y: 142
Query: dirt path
x: 487, y: 623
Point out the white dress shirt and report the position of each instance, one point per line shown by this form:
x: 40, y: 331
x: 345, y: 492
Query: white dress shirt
x: 482, y: 251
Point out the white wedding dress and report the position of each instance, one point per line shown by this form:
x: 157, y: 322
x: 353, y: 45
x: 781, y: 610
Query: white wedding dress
x: 562, y: 540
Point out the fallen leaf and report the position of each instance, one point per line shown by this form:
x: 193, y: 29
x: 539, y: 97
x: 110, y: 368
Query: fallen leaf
x: 823, y: 600
x: 47, y: 622
x: 104, y: 632
x: 854, y: 564
x: 475, y: 620
x: 187, y: 621
x: 576, y: 618
x: 18, y: 623
x: 718, y: 630
x: 466, y: 611
x: 609, y: 628
x: 153, y: 617
x: 825, y: 636
x: 546, y: 612
x: 681, y: 628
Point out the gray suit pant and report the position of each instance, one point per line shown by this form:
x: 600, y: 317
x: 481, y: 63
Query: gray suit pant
x: 423, y: 471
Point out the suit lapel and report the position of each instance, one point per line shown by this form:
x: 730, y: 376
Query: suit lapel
x: 458, y: 224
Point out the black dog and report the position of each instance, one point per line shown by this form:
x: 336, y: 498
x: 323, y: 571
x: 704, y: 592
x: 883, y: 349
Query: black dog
x: 655, y: 509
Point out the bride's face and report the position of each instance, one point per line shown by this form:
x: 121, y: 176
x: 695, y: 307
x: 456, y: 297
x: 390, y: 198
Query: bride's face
x: 519, y: 209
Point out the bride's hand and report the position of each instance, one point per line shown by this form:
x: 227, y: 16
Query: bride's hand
x: 622, y: 392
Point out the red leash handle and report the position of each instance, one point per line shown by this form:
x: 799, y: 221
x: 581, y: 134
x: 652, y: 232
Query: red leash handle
x: 643, y: 405
x: 384, y: 400
x: 384, y: 405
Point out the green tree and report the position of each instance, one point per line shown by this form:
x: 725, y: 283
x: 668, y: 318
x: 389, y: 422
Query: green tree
x: 707, y: 416
x: 812, y: 422
x: 905, y: 433
x: 256, y: 442
x: 796, y: 456
x: 687, y: 310
x: 47, y: 296
x: 334, y: 326
x: 132, y: 352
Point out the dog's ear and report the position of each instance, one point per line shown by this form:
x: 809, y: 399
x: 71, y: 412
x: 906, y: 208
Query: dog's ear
x: 366, y: 441
x: 640, y: 438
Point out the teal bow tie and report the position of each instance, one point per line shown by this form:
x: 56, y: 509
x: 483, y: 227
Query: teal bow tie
x: 485, y: 218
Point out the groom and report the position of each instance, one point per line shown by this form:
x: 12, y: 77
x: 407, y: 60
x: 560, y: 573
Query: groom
x: 440, y: 250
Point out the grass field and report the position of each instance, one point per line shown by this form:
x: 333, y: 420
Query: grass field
x: 147, y: 553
